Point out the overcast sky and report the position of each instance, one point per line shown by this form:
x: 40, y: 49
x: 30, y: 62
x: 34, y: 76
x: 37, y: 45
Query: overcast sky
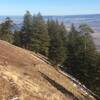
x: 50, y: 7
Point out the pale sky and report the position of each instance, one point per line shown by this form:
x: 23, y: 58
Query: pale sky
x: 50, y: 7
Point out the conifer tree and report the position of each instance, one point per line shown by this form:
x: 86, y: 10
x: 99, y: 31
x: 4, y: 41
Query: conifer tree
x: 6, y: 32
x: 17, y: 38
x: 40, y: 37
x: 26, y: 31
x: 74, y: 49
x: 89, y: 62
x: 81, y: 54
x: 57, y: 47
x: 96, y: 78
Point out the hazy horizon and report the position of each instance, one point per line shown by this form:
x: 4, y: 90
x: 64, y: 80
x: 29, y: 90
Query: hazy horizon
x: 53, y: 15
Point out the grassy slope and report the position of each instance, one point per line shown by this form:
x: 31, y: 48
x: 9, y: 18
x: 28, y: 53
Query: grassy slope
x: 24, y: 75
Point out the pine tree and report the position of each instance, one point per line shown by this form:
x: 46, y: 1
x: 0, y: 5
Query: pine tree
x: 96, y: 78
x: 74, y: 49
x: 40, y: 37
x: 6, y: 32
x: 89, y: 62
x: 81, y: 58
x: 26, y: 31
x: 57, y: 47
x: 17, y: 38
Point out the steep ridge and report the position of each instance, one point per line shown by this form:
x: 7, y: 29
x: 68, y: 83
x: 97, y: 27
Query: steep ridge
x: 25, y: 76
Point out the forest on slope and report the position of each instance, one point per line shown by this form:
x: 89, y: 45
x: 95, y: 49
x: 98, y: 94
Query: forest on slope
x: 74, y: 51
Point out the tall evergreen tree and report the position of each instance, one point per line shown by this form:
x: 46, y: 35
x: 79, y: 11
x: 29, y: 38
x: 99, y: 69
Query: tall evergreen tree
x: 89, y: 62
x: 40, y: 37
x: 26, y: 31
x: 6, y: 32
x: 17, y: 38
x: 96, y: 78
x: 57, y: 38
x: 74, y: 49
x: 81, y: 54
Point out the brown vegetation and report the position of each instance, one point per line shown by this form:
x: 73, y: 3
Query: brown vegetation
x: 25, y: 76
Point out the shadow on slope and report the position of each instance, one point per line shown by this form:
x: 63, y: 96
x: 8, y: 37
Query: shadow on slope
x: 59, y: 87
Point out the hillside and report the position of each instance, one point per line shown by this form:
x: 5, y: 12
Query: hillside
x: 24, y: 76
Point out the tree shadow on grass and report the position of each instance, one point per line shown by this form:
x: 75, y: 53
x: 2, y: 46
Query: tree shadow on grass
x: 59, y: 87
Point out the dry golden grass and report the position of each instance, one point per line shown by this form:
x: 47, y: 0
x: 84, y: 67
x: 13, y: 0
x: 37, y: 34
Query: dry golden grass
x: 27, y: 77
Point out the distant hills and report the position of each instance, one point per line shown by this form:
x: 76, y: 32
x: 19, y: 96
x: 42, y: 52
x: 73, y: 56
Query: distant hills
x: 93, y: 20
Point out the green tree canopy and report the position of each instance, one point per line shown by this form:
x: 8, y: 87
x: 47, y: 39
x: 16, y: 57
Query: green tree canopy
x: 57, y: 49
x: 40, y: 37
x: 6, y: 32
x: 81, y: 58
x: 26, y: 31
